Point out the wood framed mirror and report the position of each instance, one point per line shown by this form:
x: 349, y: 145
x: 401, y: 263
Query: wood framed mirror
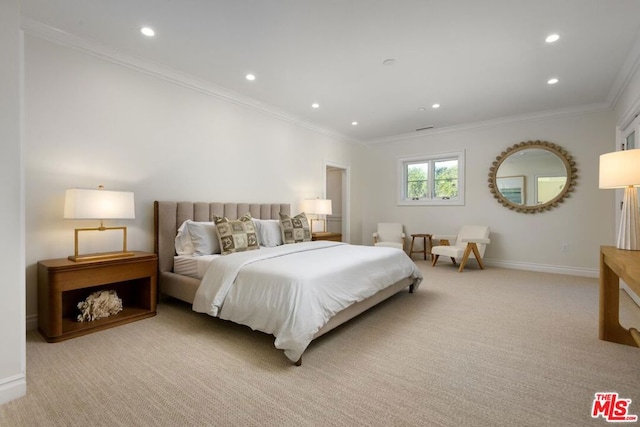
x: 532, y: 176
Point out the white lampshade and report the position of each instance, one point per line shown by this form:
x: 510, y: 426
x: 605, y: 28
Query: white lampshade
x: 98, y: 204
x: 317, y: 206
x: 620, y: 169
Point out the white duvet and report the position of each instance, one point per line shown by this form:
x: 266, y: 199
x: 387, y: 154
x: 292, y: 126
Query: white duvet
x: 291, y: 291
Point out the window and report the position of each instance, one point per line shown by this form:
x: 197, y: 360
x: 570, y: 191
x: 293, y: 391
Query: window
x: 431, y: 179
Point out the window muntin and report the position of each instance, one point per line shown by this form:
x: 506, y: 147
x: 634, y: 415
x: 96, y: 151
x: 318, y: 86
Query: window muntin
x: 431, y: 179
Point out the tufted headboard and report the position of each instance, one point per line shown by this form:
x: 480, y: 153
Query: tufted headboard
x: 168, y: 216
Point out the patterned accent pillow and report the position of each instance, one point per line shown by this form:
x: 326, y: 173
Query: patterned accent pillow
x: 296, y: 229
x: 236, y: 236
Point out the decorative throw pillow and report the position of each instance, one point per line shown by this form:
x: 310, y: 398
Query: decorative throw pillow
x: 236, y: 236
x: 296, y: 229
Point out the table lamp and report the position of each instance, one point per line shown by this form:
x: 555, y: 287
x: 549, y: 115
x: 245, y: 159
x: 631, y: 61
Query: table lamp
x: 99, y: 204
x: 621, y: 169
x: 317, y: 207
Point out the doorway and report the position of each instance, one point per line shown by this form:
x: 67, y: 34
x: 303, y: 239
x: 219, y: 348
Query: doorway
x: 337, y: 190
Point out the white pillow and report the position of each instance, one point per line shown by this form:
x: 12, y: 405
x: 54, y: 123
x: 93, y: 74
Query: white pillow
x: 197, y: 238
x: 268, y: 231
x: 204, y: 238
x: 183, y: 241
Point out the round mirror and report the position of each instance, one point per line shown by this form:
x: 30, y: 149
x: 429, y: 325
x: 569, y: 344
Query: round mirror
x: 532, y: 176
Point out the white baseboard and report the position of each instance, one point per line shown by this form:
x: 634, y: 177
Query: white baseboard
x: 572, y: 271
x: 32, y: 322
x: 629, y: 292
x: 544, y: 268
x: 12, y: 388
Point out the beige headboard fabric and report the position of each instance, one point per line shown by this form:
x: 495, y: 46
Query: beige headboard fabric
x: 168, y: 216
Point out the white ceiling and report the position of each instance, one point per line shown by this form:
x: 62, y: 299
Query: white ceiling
x: 481, y: 60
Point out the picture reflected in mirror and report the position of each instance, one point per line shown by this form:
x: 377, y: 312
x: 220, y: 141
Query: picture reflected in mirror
x: 532, y: 176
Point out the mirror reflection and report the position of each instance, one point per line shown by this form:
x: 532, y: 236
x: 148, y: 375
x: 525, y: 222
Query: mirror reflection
x: 532, y: 176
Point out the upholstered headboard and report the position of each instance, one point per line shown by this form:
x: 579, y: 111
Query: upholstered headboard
x: 168, y: 216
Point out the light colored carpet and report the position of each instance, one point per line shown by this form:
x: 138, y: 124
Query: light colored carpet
x: 482, y: 348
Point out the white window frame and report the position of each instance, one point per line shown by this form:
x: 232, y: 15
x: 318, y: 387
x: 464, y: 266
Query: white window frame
x: 403, y: 200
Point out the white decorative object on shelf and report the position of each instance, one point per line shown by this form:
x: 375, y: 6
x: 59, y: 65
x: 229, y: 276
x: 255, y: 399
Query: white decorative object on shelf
x: 98, y: 305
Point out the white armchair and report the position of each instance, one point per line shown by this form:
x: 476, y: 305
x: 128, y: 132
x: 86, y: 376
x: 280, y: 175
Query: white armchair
x: 389, y: 234
x: 471, y: 241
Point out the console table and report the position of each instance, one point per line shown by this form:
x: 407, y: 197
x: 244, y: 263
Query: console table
x: 616, y: 264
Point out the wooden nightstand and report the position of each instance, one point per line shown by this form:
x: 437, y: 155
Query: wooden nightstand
x: 334, y: 237
x: 62, y: 284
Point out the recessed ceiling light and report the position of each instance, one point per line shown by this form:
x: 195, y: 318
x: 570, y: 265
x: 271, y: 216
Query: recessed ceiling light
x: 354, y: 123
x: 315, y: 105
x: 147, y: 31
x: 421, y: 109
x: 435, y: 106
x: 552, y: 81
x: 250, y: 77
x: 552, y: 38
x: 389, y: 61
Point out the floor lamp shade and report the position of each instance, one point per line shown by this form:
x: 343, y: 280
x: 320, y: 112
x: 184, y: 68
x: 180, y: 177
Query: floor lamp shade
x: 621, y: 169
x: 99, y: 205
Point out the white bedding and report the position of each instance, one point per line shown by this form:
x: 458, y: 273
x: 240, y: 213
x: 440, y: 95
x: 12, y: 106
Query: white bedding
x: 193, y: 265
x: 291, y: 291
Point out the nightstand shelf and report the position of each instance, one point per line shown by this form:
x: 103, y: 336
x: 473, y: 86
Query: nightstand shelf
x: 73, y: 327
x: 62, y: 284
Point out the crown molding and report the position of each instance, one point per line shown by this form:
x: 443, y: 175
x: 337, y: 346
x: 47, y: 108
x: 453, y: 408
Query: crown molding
x: 107, y: 53
x: 530, y: 117
x: 627, y: 71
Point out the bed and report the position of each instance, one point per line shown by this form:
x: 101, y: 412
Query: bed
x: 249, y: 287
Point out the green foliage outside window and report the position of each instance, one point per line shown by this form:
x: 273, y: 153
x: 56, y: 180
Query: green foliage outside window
x: 417, y: 181
x: 445, y: 180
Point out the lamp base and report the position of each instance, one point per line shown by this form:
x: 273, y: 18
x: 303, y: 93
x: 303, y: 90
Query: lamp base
x: 629, y: 231
x: 100, y: 256
x: 321, y: 230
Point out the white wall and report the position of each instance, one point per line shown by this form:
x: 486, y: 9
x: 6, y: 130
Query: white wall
x: 12, y: 311
x: 530, y: 241
x: 628, y: 103
x: 91, y: 122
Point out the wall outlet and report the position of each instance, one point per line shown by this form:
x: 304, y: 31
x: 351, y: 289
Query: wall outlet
x: 564, y: 247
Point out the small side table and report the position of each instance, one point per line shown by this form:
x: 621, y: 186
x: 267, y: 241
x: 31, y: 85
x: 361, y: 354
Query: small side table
x: 62, y: 284
x: 425, y: 249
